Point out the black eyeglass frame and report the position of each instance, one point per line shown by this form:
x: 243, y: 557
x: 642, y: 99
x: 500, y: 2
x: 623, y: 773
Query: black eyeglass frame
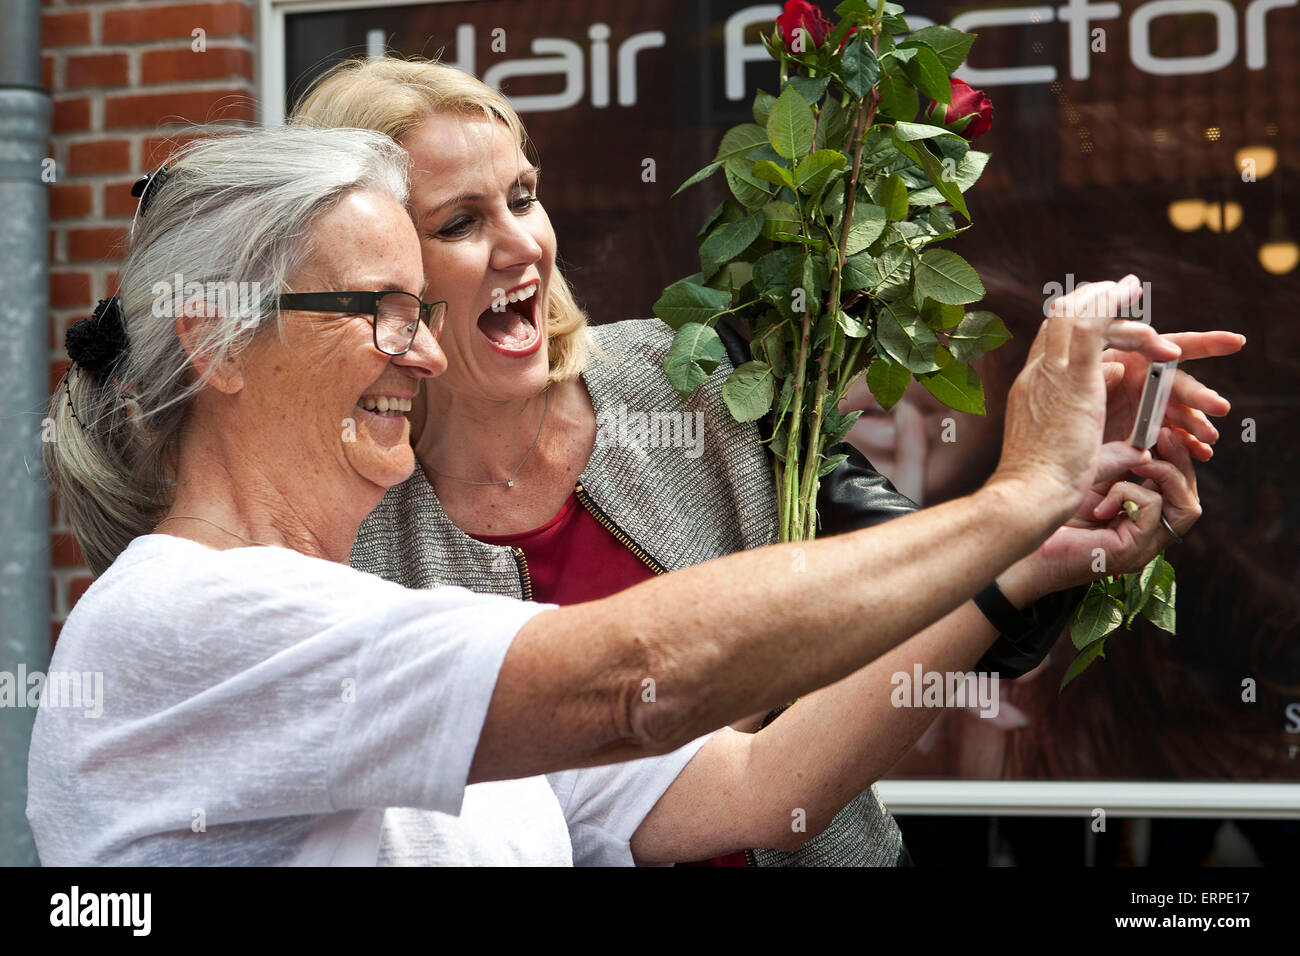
x: 365, y: 303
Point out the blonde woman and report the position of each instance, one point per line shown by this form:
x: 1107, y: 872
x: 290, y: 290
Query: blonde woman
x: 525, y: 489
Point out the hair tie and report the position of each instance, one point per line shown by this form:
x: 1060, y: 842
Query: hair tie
x: 147, y: 186
x: 98, y: 343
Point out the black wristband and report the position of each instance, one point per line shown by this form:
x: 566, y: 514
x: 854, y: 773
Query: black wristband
x: 1002, y: 614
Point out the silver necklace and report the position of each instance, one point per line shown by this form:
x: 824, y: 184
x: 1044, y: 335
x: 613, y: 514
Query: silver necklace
x: 508, y: 482
x: 233, y: 534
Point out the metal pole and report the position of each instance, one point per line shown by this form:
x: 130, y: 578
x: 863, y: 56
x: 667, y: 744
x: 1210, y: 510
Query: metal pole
x: 24, y: 389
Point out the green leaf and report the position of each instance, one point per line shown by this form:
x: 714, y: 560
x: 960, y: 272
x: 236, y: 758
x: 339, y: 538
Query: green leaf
x: 781, y: 217
x: 833, y: 205
x: 951, y: 46
x: 694, y: 355
x: 1137, y: 589
x: 928, y: 74
x: 818, y: 168
x: 820, y: 245
x: 750, y: 191
x: 834, y: 424
x: 749, y: 390
x: 811, y: 89
x: 893, y: 196
x: 699, y: 177
x: 912, y: 132
x: 978, y: 333
x: 964, y: 176
x: 838, y: 34
x: 953, y: 147
x: 1159, y: 610
x: 765, y: 151
x: 686, y: 302
x: 770, y: 172
x: 738, y: 141
x: 790, y: 125
x: 830, y: 464
x: 1162, y: 615
x: 859, y: 68
x: 935, y: 171
x: 832, y: 126
x: 853, y: 327
x: 732, y: 276
x: 726, y: 211
x: 910, y: 232
x: 1096, y: 616
x: 728, y: 241
x: 774, y: 272
x: 1081, y: 661
x: 868, y: 224
x: 769, y: 347
x: 939, y: 315
x: 897, y: 56
x: 880, y: 154
x: 886, y: 276
x: 941, y: 218
x: 814, y: 277
x: 857, y: 10
x: 762, y: 107
x: 894, y: 24
x: 955, y: 384
x: 898, y: 99
x: 946, y: 277
x: 888, y: 380
x: 907, y: 339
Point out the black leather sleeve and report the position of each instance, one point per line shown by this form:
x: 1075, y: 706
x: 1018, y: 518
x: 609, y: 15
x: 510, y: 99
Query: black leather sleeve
x: 856, y: 496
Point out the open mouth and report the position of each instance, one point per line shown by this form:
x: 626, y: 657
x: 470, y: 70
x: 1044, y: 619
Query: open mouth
x: 510, y: 324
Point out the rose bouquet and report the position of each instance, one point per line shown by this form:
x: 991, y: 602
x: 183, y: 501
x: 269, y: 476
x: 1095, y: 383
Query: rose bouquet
x: 828, y: 253
x: 828, y: 248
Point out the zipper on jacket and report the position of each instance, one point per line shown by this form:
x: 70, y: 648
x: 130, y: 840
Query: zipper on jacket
x: 525, y: 579
x: 619, y: 534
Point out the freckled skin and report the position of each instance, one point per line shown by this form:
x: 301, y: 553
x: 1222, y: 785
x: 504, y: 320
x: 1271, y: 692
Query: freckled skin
x: 329, y: 361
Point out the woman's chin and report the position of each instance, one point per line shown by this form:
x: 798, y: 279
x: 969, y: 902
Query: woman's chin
x: 386, y: 467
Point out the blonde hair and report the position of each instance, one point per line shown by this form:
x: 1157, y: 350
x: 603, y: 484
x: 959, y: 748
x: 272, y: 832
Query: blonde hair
x: 237, y: 210
x: 394, y: 96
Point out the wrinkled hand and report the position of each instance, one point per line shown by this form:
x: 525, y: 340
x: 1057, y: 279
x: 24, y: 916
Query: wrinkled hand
x: 1056, y: 407
x: 1189, y: 404
x: 1069, y: 555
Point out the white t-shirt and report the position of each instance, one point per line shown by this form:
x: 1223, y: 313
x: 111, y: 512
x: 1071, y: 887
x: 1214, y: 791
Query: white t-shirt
x: 261, y: 707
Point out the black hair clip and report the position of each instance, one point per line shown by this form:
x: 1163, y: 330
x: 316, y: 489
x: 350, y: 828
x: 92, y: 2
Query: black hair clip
x: 95, y: 345
x: 147, y: 186
x: 98, y: 343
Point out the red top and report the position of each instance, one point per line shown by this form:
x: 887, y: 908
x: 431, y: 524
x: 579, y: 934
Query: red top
x: 573, y: 558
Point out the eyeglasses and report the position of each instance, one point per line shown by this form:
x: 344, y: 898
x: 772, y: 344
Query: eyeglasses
x: 395, y: 316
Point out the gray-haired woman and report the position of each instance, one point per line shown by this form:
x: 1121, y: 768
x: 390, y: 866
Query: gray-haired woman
x: 265, y: 703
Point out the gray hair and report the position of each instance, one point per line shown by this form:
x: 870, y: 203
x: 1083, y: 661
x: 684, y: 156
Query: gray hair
x: 235, y: 213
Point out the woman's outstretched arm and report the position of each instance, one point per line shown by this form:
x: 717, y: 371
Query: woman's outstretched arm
x: 647, y: 670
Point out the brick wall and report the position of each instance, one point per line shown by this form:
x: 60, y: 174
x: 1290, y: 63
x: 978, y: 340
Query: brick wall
x: 127, y: 81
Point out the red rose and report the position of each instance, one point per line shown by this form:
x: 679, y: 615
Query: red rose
x: 799, y: 14
x: 965, y: 101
